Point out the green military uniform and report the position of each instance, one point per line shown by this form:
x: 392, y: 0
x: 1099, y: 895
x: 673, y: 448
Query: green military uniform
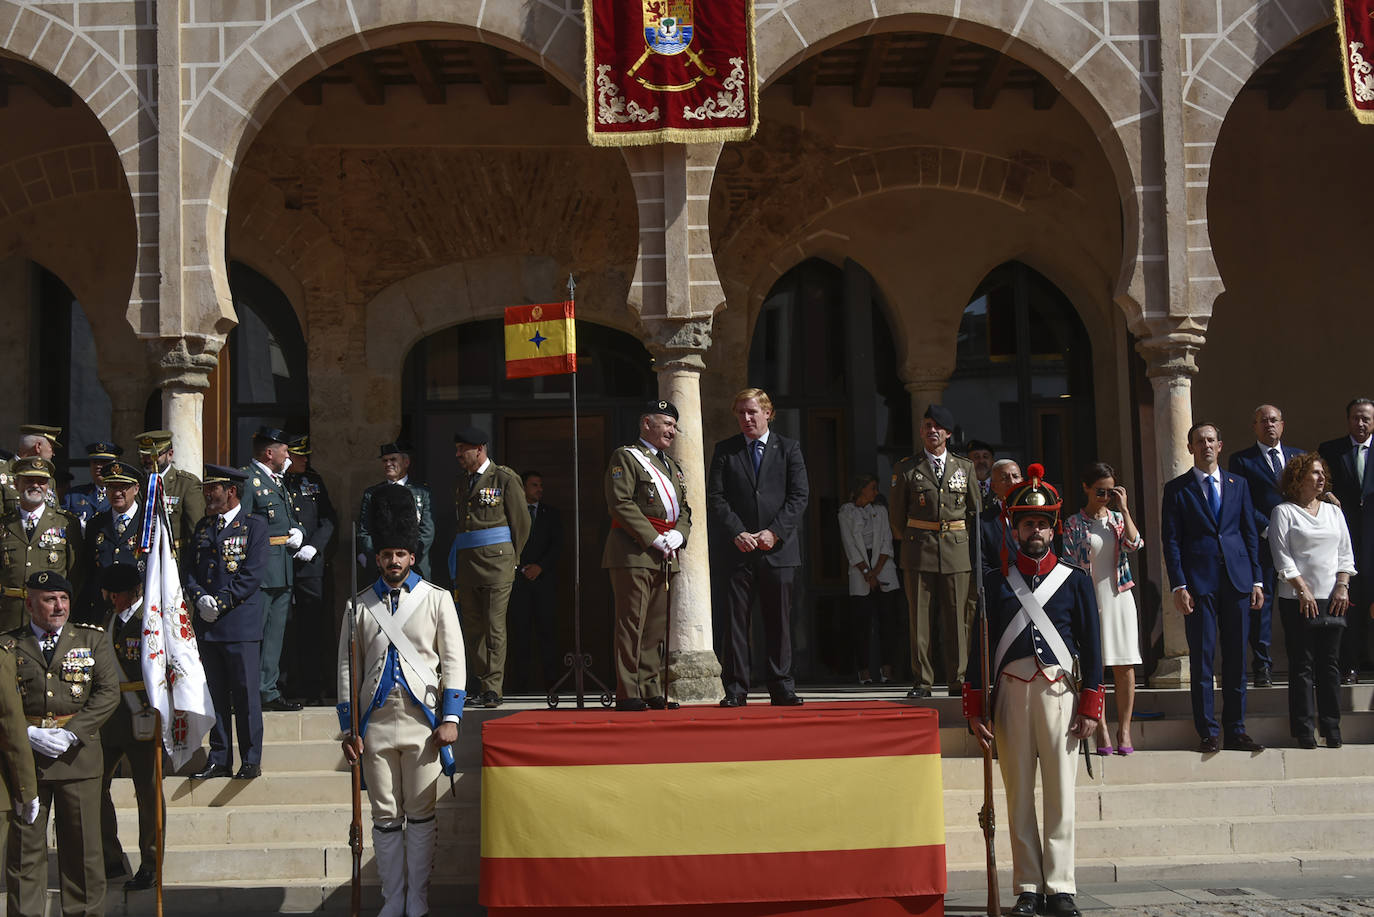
x: 9, y: 490
x: 634, y: 496
x: 483, y: 569
x: 184, y: 491
x: 76, y: 691
x: 55, y: 545
x: 265, y: 496
x: 18, y: 779
x: 932, y: 516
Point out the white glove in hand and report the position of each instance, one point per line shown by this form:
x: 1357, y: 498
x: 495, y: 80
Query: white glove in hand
x: 294, y: 538
x: 63, y: 738
x: 306, y: 554
x: 46, y: 742
x: 675, y: 539
x: 208, y: 609
x: 27, y: 811
x: 362, y: 561
x: 661, y: 542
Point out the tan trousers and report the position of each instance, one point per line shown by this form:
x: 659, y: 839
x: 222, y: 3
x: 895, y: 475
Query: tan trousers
x: 1033, y: 716
x: 950, y: 593
x: 483, y: 611
x: 81, y: 867
x: 641, y: 631
x: 400, y: 763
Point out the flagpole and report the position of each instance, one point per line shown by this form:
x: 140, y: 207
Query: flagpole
x: 158, y: 830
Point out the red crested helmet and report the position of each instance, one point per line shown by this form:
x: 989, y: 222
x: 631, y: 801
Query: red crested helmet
x: 1036, y: 495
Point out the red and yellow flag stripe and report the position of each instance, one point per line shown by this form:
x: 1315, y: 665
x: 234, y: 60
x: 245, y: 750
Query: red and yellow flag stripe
x: 541, y: 340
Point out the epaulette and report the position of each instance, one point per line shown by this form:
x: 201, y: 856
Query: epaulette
x: 95, y: 627
x: 8, y: 644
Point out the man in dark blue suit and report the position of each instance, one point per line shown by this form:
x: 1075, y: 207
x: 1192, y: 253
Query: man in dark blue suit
x: 87, y: 500
x: 756, y: 493
x: 1261, y: 466
x: 1211, y: 550
x: 1347, y: 461
x: 224, y: 585
x: 531, y: 619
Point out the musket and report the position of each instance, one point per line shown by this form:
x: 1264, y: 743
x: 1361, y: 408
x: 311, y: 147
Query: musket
x: 355, y: 828
x: 987, y: 818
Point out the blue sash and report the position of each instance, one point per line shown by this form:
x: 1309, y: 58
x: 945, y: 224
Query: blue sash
x: 477, y: 538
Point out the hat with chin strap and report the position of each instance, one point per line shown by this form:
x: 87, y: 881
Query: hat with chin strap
x: 1035, y: 497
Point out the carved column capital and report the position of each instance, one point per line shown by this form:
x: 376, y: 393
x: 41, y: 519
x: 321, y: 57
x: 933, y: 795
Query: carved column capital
x: 677, y: 344
x: 185, y: 365
x: 1171, y: 355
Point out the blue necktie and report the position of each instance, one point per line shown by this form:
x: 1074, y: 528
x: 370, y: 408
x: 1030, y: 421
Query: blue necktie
x: 1275, y: 462
x: 1213, y: 497
x: 756, y: 447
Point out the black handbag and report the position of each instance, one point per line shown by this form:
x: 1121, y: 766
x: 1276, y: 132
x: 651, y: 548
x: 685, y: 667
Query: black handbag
x: 1324, y: 616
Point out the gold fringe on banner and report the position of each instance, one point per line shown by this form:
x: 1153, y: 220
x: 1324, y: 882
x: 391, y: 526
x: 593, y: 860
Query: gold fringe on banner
x: 1356, y: 63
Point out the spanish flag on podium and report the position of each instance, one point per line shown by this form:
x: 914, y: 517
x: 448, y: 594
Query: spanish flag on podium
x: 541, y: 340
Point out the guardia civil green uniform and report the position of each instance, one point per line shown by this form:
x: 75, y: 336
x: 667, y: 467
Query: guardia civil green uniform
x: 265, y: 496
x: 493, y: 524
x: 54, y: 545
x: 75, y: 690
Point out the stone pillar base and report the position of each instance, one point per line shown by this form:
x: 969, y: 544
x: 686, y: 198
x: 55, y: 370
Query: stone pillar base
x: 1171, y: 672
x: 694, y: 677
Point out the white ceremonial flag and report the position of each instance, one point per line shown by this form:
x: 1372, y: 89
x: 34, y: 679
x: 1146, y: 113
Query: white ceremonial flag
x: 172, y: 673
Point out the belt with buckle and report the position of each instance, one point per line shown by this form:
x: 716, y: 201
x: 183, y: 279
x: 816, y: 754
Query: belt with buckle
x: 954, y: 525
x: 131, y: 686
x: 14, y: 592
x: 278, y: 539
x: 48, y: 722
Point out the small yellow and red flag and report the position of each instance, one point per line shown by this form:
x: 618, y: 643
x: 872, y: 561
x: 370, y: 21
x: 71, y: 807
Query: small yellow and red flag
x: 541, y: 340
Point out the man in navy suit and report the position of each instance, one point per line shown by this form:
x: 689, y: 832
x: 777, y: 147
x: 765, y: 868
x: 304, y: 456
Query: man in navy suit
x: 756, y: 493
x: 1261, y: 466
x: 1352, y: 482
x: 531, y: 619
x: 1211, y: 550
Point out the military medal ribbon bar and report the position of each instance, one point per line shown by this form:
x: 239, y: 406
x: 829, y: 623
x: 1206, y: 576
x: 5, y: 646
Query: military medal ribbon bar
x: 674, y: 71
x: 541, y: 340
x: 1355, y: 22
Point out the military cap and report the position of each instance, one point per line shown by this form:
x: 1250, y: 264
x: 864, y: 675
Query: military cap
x: 473, y: 436
x: 108, y: 452
x: 38, y: 429
x: 270, y: 435
x: 154, y: 442
x: 666, y: 408
x: 33, y: 466
x: 943, y: 416
x: 976, y: 445
x: 120, y: 473
x: 299, y: 444
x: 121, y: 578
x: 1036, y: 497
x: 221, y: 474
x: 404, y: 447
x: 48, y: 581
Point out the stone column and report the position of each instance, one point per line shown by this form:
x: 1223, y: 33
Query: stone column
x: 1170, y: 367
x: 924, y: 393
x: 183, y: 377
x: 693, y: 670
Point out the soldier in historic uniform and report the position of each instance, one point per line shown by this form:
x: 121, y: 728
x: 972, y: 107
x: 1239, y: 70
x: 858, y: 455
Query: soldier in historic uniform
x: 69, y: 682
x: 228, y: 554
x: 309, y: 670
x: 646, y: 495
x: 182, y: 489
x: 409, y: 680
x: 266, y: 497
x: 1046, y: 661
x: 34, y: 536
x: 36, y: 440
x: 933, y: 507
x: 395, y: 458
x: 87, y: 500
x: 112, y: 537
x: 130, y: 732
x: 493, y: 525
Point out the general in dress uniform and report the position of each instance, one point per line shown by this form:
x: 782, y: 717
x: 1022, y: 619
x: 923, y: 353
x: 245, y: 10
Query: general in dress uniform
x: 395, y: 458
x: 35, y: 440
x: 87, y: 500
x: 933, y: 498
x: 493, y: 525
x: 34, y: 536
x: 409, y: 680
x: 131, y: 731
x: 229, y: 552
x: 112, y: 537
x: 182, y: 489
x: 646, y: 495
x: 309, y: 671
x: 1045, y: 647
x: 69, y: 682
x: 266, y: 497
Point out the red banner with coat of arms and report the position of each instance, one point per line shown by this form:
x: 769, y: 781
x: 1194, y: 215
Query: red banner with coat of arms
x: 675, y: 71
x: 1355, y: 22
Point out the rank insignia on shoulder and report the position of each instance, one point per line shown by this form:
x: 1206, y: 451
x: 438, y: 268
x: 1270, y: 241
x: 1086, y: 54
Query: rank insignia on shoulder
x: 95, y: 627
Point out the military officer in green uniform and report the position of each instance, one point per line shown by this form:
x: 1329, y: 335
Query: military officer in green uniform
x: 34, y: 536
x: 266, y: 497
x: 184, y: 492
x: 112, y: 537
x: 933, y: 507
x: 130, y: 732
x: 36, y: 440
x: 69, y: 682
x: 395, y: 458
x: 493, y: 524
x: 18, y: 780
x: 646, y: 494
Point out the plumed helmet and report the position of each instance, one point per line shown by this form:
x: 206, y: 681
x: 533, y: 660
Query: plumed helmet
x: 1036, y: 496
x: 391, y: 519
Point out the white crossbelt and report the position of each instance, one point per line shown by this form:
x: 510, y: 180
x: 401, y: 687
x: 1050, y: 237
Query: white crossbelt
x: 665, y: 486
x: 1033, y: 612
x: 390, y: 625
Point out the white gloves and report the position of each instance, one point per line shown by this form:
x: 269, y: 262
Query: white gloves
x: 668, y: 542
x: 27, y: 811
x: 306, y: 554
x: 208, y: 609
x: 294, y: 538
x: 362, y: 561
x: 50, y: 742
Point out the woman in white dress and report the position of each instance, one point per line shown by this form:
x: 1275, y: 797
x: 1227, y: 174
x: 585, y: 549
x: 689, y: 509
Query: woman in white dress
x: 867, y: 541
x: 1099, y: 540
x: 1313, y: 564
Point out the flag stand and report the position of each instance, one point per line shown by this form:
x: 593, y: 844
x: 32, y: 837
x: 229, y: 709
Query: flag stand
x: 579, y: 663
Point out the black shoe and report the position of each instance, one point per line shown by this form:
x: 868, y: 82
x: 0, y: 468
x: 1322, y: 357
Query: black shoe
x: 734, y: 700
x: 248, y: 771
x: 918, y: 692
x: 143, y: 879
x: 280, y: 705
x: 1209, y: 745
x: 1061, y: 905
x: 631, y: 704
x: 491, y: 699
x: 114, y: 869
x: 662, y: 703
x: 1350, y: 677
x: 1242, y: 742
x: 1264, y: 676
x: 1333, y: 739
x: 211, y: 772
x: 787, y: 700
x: 1307, y: 741
x: 1028, y: 904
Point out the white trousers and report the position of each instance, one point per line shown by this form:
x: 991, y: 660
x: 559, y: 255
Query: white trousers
x: 1034, y: 710
x: 400, y: 763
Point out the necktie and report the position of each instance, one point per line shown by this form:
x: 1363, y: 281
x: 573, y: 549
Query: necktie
x: 49, y: 644
x: 756, y: 447
x: 100, y: 494
x: 472, y: 480
x: 120, y: 524
x: 533, y: 508
x: 1213, y: 496
x: 1361, y: 452
x: 939, y: 469
x: 30, y: 523
x: 395, y: 600
x: 219, y: 525
x: 1275, y: 462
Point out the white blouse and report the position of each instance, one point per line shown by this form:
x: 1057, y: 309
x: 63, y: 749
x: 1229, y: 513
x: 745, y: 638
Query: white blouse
x: 865, y: 534
x: 1315, y: 547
